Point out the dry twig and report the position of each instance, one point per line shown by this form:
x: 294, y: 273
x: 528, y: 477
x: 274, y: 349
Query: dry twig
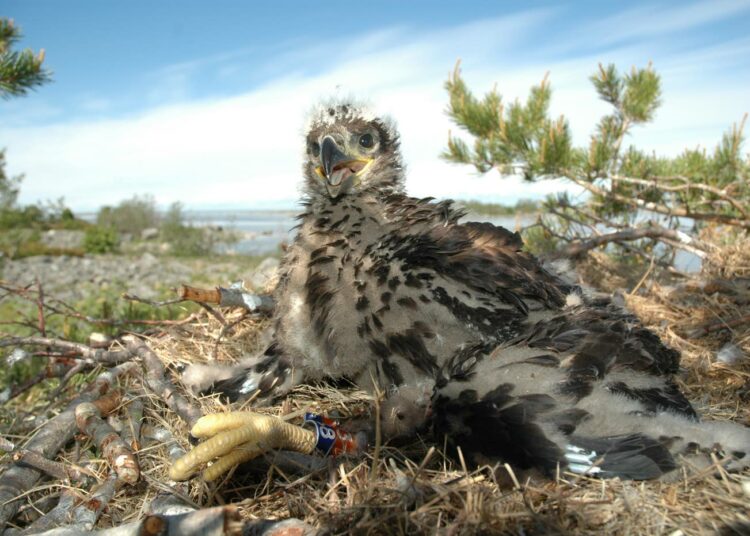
x: 48, y: 440
x: 157, y: 383
x: 114, y: 449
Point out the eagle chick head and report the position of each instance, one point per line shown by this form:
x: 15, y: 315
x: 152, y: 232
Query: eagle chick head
x: 350, y: 150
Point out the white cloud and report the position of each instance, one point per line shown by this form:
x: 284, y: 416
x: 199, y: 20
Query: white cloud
x: 245, y: 150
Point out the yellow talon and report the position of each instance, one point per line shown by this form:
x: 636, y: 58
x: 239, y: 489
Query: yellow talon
x: 239, y: 455
x: 238, y: 437
x: 210, y: 425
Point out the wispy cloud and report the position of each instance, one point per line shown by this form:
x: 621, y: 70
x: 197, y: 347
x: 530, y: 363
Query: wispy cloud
x: 659, y: 20
x: 245, y: 150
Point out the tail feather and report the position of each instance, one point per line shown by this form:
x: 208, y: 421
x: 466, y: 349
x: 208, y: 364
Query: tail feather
x: 633, y: 457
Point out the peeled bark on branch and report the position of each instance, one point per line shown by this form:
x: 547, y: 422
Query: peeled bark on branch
x: 94, y: 355
x: 162, y: 388
x: 218, y: 521
x: 61, y: 471
x: 87, y: 513
x: 50, y: 438
x: 59, y: 515
x: 234, y: 296
x: 118, y: 454
x: 131, y: 432
x: 76, y: 513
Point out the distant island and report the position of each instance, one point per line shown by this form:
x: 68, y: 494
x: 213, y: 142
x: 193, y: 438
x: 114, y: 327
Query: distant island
x: 522, y: 206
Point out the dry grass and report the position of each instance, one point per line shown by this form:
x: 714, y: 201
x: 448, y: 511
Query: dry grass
x: 412, y: 488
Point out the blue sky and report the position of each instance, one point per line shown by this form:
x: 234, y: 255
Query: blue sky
x: 204, y: 102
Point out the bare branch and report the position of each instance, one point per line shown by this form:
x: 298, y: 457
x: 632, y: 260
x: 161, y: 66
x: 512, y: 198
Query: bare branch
x: 217, y: 521
x: 659, y: 209
x: 64, y: 309
x: 133, y: 297
x: 118, y: 454
x: 658, y: 183
x: 675, y: 238
x: 49, y: 439
x: 705, y: 329
x: 234, y: 296
x: 94, y: 355
x: 61, y: 471
x: 162, y: 388
x: 131, y: 432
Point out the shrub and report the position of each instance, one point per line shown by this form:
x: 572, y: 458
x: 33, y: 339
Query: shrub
x: 11, y: 240
x: 30, y: 216
x: 100, y: 239
x: 186, y: 240
x: 130, y: 216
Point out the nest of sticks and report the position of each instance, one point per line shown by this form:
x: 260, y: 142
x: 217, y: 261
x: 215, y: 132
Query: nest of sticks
x: 97, y: 454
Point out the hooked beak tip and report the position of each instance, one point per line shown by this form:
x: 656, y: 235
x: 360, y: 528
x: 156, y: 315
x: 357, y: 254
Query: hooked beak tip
x: 330, y: 155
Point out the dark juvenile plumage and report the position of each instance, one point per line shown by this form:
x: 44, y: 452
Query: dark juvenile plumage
x: 457, y: 322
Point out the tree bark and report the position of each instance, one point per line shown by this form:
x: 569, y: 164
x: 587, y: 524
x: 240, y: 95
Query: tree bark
x: 50, y: 438
x: 162, y: 388
x: 676, y: 239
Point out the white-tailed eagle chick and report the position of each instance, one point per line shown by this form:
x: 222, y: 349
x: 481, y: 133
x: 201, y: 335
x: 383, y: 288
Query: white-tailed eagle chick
x: 471, y: 335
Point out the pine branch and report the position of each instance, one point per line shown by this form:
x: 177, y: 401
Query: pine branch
x: 658, y: 183
x: 657, y: 207
x: 22, y: 70
x: 9, y: 34
x: 678, y: 239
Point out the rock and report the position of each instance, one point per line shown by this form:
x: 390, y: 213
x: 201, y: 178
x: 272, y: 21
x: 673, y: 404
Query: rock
x: 63, y: 239
x: 72, y: 279
x: 148, y: 259
x: 150, y: 233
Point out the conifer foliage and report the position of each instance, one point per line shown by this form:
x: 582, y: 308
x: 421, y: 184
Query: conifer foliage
x: 20, y: 70
x: 637, y: 204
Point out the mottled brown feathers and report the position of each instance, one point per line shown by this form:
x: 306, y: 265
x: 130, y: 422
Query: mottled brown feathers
x: 381, y: 287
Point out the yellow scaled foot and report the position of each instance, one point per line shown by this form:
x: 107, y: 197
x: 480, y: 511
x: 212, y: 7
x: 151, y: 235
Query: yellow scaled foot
x: 237, y: 437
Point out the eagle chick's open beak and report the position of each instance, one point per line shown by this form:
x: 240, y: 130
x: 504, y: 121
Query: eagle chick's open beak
x: 338, y: 169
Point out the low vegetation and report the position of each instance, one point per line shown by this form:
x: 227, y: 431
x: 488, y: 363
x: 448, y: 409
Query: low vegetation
x: 524, y: 207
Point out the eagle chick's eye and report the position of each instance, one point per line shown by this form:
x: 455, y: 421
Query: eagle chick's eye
x: 367, y: 141
x: 315, y: 148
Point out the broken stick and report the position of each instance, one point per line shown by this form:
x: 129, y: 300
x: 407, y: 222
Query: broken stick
x: 113, y: 448
x: 50, y: 438
x: 234, y: 296
x: 159, y: 385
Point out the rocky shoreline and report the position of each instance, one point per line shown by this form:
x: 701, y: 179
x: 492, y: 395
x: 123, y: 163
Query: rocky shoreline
x: 146, y: 275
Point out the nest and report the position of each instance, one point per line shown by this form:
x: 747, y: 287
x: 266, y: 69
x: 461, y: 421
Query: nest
x: 412, y: 487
